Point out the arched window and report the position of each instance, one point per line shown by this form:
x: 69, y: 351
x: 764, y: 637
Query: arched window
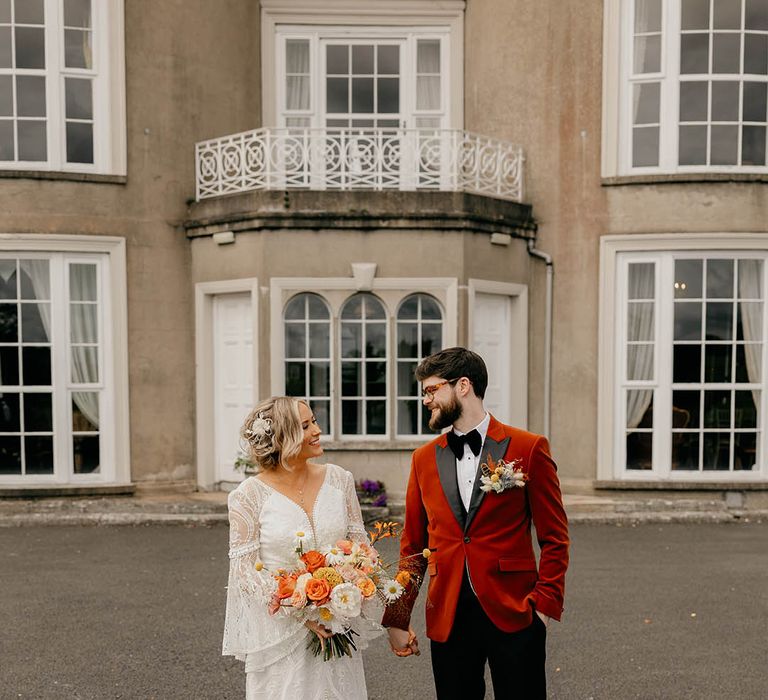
x: 308, y: 354
x: 419, y: 334
x: 363, y: 366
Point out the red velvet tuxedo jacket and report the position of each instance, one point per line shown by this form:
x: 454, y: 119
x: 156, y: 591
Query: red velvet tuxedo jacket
x: 493, y: 540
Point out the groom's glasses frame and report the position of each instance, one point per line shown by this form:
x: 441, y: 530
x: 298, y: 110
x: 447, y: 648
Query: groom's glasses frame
x: 432, y: 389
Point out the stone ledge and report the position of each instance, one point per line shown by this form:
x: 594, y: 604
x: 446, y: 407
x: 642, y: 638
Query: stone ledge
x: 678, y: 178
x: 66, y: 491
x: 673, y: 486
x: 65, y: 176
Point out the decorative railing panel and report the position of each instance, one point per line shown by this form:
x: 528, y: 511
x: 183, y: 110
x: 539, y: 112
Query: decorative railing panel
x: 378, y: 159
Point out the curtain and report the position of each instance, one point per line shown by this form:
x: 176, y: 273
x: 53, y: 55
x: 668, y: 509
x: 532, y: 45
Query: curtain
x: 750, y: 287
x: 297, y: 74
x: 85, y: 362
x: 428, y: 74
x: 39, y: 275
x: 640, y: 322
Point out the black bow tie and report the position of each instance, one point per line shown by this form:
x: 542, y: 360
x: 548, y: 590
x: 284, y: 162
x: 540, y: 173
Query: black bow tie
x: 457, y: 442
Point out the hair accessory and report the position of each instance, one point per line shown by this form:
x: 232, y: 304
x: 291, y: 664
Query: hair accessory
x: 261, y: 428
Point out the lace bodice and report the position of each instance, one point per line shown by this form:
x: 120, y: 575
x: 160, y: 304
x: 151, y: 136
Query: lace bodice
x: 263, y: 526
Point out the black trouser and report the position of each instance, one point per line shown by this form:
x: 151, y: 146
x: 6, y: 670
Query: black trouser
x: 516, y: 659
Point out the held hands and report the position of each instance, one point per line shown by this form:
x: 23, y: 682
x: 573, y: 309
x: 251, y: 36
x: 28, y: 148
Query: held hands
x: 319, y: 630
x: 402, y: 642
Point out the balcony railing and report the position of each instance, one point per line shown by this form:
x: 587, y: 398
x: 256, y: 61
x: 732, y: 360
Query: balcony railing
x: 371, y: 159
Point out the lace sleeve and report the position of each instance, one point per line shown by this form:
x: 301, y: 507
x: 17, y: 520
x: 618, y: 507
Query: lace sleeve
x: 249, y: 629
x: 355, y: 527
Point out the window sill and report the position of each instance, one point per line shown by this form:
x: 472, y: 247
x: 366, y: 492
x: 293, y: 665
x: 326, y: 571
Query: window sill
x: 378, y: 445
x: 41, y: 491
x: 59, y: 175
x: 638, y: 485
x: 659, y: 179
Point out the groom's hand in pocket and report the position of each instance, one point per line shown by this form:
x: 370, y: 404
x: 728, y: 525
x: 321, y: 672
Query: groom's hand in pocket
x: 403, y: 642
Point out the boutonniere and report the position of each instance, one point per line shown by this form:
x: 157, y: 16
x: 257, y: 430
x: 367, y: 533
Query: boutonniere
x: 502, y: 475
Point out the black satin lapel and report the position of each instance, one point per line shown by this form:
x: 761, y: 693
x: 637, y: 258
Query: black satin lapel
x: 446, y: 469
x: 496, y: 451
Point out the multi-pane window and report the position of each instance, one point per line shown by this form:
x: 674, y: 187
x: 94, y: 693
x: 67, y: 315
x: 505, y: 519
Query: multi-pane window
x: 354, y: 361
x: 50, y: 315
x: 692, y: 378
x: 52, y: 76
x: 363, y: 366
x: 307, y: 323
x: 419, y: 334
x: 697, y: 74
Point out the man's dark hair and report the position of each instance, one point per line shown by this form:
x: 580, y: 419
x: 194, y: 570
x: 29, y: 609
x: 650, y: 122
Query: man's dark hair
x: 455, y: 363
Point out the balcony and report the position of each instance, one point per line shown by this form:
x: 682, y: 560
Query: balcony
x: 404, y: 160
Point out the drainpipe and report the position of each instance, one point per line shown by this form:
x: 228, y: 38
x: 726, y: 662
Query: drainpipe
x: 541, y: 255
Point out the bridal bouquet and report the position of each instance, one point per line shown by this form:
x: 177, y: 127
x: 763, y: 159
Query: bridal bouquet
x: 334, y: 586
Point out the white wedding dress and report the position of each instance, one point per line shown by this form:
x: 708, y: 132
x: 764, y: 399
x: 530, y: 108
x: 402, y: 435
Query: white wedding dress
x: 263, y: 527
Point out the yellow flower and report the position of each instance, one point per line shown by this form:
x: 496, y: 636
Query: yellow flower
x: 403, y: 578
x: 495, y: 477
x: 258, y: 566
x: 499, y: 470
x: 329, y: 574
x: 300, y: 533
x: 427, y: 553
x: 326, y: 615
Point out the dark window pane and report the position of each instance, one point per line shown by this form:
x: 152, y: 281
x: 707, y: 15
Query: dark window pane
x: 319, y: 340
x: 78, y: 48
x: 389, y: 95
x: 725, y: 145
x: 30, y: 47
x: 720, y: 279
x: 719, y: 321
x: 639, y: 408
x: 77, y: 13
x: 375, y: 340
x: 647, y: 54
x: 376, y: 378
x: 7, y: 149
x: 353, y: 308
x: 692, y: 149
x: 695, y: 14
x: 744, y: 451
x: 317, y: 308
x: 35, y: 280
x: 725, y: 101
x: 753, y: 145
x: 376, y: 416
x: 685, y: 451
x: 430, y: 309
x: 756, y: 54
x: 687, y: 363
x: 717, y: 363
x: 38, y: 454
x: 409, y: 308
x: 79, y: 101
x: 32, y: 324
x: 319, y: 379
x: 295, y: 379
x: 647, y: 101
x: 362, y: 60
x: 645, y: 147
x: 389, y: 60
x: 295, y: 340
x: 688, y: 279
x: 9, y: 366
x: 754, y: 102
x: 351, y: 340
x: 694, y: 101
x: 727, y: 14
x: 717, y: 451
x: 322, y: 412
x: 407, y: 340
x: 756, y: 15
x: 431, y: 338
x: 337, y: 95
x: 85, y: 402
x: 38, y: 416
x: 337, y: 60
x: 748, y: 372
x: 351, y: 417
x: 374, y: 310
x: 79, y: 142
x: 33, y: 141
x: 688, y: 320
x: 9, y: 413
x: 685, y: 409
x: 10, y: 454
x: 36, y: 366
x: 745, y: 409
x: 351, y: 380
x: 717, y: 409
x: 694, y: 53
x: 407, y: 417
x: 639, y: 450
x: 425, y: 416
x: 9, y: 323
x: 406, y: 382
x: 295, y: 308
x: 6, y: 44
x: 8, y: 279
x: 5, y: 11
x: 85, y: 450
x: 30, y: 95
x: 362, y: 95
x: 726, y: 53
x: 29, y: 12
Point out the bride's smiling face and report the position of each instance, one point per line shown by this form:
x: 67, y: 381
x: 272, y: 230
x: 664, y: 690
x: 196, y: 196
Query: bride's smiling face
x: 310, y: 446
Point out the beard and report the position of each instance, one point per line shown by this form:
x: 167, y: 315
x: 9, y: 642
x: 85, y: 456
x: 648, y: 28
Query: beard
x: 446, y: 414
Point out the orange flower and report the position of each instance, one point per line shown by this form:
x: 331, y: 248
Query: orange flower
x: 345, y: 546
x: 366, y: 586
x: 403, y: 578
x: 318, y: 589
x: 313, y: 560
x: 286, y: 586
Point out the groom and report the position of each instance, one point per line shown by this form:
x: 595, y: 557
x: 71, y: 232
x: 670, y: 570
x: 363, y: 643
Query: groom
x: 487, y: 600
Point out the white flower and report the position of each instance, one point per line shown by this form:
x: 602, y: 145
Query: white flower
x: 261, y: 427
x: 345, y: 600
x: 392, y: 590
x: 326, y: 617
x: 301, y: 582
x: 335, y: 557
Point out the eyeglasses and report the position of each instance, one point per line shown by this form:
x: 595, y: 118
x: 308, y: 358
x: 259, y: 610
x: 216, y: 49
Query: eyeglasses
x: 432, y: 389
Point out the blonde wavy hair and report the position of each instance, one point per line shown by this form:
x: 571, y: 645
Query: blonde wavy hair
x: 272, y: 432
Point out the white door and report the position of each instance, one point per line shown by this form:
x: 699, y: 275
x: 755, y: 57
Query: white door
x: 233, y: 363
x: 492, y: 332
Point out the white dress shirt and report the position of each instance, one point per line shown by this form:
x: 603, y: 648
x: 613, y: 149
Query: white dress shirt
x: 466, y: 467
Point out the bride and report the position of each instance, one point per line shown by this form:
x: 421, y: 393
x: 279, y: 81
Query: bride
x: 289, y: 494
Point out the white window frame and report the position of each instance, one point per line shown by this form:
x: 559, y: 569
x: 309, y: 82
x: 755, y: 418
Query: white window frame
x: 281, y: 19
x: 615, y: 252
x: 391, y: 291
x: 617, y: 96
x: 114, y: 428
x: 108, y: 92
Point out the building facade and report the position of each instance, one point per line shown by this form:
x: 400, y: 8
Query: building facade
x: 201, y: 209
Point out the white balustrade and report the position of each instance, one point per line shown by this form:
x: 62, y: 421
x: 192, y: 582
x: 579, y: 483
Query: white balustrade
x: 371, y: 159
